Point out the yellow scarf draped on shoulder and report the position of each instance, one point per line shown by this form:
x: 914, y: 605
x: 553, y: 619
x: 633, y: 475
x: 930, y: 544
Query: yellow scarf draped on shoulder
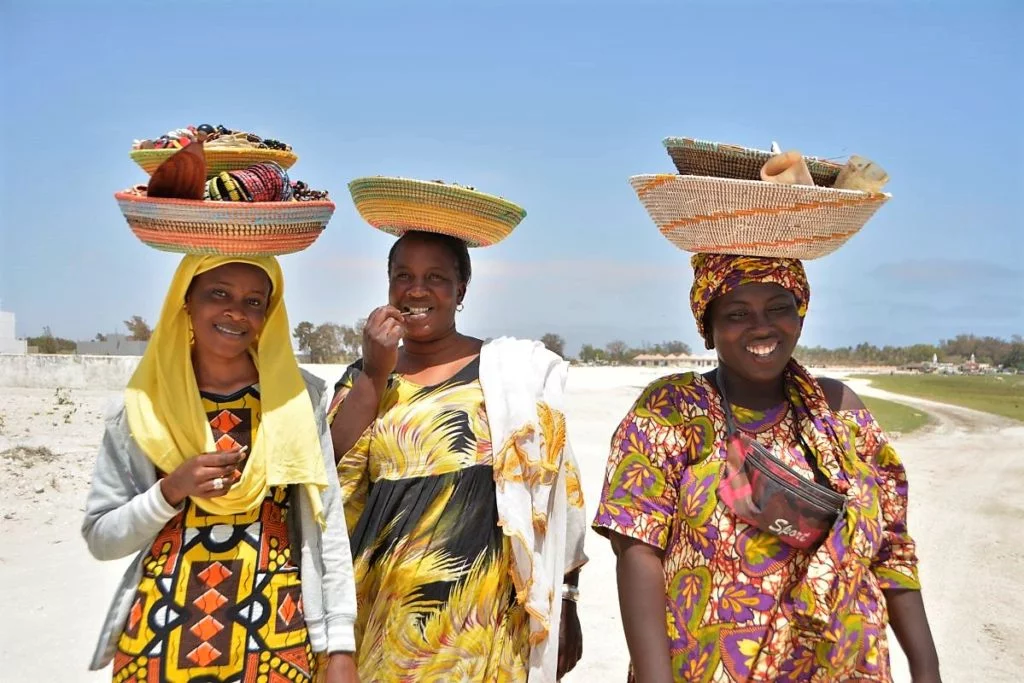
x: 165, y: 412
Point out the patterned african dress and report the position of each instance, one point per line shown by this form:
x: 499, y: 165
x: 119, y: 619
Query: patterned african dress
x: 220, y: 598
x: 725, y: 581
x: 436, y: 601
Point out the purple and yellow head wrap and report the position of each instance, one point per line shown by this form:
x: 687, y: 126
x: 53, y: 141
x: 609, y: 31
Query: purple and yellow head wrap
x: 718, y: 274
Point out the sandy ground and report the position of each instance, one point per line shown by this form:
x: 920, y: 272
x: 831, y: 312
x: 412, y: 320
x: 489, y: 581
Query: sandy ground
x: 966, y: 474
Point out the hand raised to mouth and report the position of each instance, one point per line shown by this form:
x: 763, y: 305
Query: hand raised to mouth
x: 384, y: 329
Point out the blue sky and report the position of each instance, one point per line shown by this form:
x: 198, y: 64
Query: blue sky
x: 553, y: 105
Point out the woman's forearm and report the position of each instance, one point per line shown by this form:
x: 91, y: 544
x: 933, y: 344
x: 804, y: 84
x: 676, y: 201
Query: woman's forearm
x: 910, y: 624
x: 641, y: 582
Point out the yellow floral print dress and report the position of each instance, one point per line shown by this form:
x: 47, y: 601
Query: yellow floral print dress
x: 432, y: 566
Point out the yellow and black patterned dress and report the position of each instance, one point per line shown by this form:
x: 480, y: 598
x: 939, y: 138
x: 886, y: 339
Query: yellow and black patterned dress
x: 220, y: 599
x: 432, y: 567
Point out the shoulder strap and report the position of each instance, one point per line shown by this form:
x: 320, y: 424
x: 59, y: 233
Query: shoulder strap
x: 730, y: 423
x: 730, y: 426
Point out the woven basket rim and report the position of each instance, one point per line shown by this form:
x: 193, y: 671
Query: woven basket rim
x: 706, y: 214
x: 216, y: 151
x: 367, y: 182
x: 240, y: 207
x: 682, y: 141
x: 217, y: 160
x: 677, y: 178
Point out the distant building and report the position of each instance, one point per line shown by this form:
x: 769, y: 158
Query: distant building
x: 112, y: 345
x: 8, y: 342
x: 675, y: 360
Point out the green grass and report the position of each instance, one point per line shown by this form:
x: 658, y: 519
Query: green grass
x: 896, y: 418
x: 996, y: 394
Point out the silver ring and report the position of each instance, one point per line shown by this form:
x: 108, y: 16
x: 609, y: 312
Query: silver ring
x: 218, y: 483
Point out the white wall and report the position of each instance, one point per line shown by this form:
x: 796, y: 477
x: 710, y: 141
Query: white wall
x: 74, y: 372
x: 13, y: 346
x: 8, y: 342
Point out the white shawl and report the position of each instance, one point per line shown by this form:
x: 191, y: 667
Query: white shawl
x: 523, y: 385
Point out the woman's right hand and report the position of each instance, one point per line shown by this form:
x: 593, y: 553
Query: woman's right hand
x: 381, y: 334
x: 200, y: 476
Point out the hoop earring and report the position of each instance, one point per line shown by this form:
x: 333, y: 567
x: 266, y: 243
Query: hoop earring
x: 460, y: 307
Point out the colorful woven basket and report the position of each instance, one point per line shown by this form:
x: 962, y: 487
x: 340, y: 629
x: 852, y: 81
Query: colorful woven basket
x: 224, y: 228
x: 217, y: 159
x: 752, y: 217
x: 397, y: 205
x: 699, y: 157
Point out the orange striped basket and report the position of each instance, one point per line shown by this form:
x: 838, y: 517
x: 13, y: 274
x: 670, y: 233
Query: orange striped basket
x: 218, y: 159
x: 224, y: 228
x: 397, y: 205
x: 752, y: 217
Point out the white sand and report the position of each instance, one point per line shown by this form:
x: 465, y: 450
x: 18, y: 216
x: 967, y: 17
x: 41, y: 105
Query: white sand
x: 966, y: 475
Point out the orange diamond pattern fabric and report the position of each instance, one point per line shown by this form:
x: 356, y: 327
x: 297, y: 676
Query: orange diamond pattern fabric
x: 220, y: 598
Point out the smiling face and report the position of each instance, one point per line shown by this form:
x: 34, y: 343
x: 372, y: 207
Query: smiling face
x: 755, y: 329
x: 425, y: 283
x: 228, y: 306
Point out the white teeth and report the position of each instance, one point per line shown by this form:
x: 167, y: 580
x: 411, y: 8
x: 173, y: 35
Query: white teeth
x: 227, y: 331
x: 762, y: 349
x: 417, y: 311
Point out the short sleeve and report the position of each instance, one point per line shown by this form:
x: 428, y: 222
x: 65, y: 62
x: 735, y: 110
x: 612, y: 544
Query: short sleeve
x: 662, y: 433
x: 342, y: 387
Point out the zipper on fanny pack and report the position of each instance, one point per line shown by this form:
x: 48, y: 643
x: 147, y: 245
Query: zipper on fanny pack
x: 825, y: 492
x: 819, y: 494
x: 812, y: 496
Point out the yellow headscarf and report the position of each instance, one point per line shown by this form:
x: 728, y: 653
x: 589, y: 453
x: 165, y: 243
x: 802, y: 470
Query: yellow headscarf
x: 165, y: 412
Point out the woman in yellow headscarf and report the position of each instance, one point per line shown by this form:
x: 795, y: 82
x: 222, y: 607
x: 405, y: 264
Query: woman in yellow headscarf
x: 214, y: 472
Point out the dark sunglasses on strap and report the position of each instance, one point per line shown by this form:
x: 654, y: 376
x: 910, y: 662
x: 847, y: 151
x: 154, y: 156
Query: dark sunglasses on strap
x: 769, y: 495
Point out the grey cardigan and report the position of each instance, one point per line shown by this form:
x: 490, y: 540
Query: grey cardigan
x: 126, y: 510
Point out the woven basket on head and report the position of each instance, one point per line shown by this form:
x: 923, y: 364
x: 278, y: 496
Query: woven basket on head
x: 397, y: 205
x: 217, y: 159
x: 224, y: 228
x: 699, y: 157
x: 752, y: 217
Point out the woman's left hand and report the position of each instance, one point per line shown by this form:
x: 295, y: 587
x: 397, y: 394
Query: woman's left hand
x: 570, y: 639
x: 341, y: 668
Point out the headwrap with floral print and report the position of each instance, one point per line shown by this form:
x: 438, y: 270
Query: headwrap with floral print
x: 718, y: 274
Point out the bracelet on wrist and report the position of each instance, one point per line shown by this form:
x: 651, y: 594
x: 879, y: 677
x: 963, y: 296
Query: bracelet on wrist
x: 570, y: 592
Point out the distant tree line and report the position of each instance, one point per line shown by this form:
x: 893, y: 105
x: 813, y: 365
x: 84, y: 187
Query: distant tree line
x: 619, y: 351
x: 47, y: 343
x: 333, y: 343
x: 991, y: 350
x: 330, y: 342
x: 138, y: 330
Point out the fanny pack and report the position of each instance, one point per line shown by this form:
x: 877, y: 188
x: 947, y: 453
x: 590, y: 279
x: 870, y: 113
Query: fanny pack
x: 769, y: 495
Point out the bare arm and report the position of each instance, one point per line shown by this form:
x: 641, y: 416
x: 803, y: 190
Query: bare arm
x: 641, y: 582
x: 384, y: 329
x: 910, y: 623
